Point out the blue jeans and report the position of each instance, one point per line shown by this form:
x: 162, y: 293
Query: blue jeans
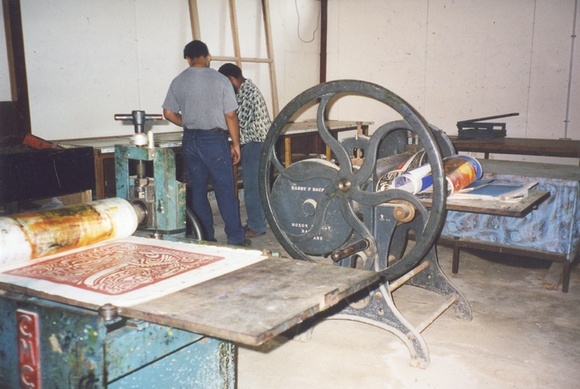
x: 251, y: 153
x: 207, y: 157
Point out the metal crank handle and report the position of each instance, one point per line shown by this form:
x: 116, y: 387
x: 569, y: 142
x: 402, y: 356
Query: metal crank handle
x: 123, y: 116
x: 349, y: 250
x: 138, y: 116
x: 138, y: 119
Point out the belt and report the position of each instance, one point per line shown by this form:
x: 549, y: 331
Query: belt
x: 216, y: 129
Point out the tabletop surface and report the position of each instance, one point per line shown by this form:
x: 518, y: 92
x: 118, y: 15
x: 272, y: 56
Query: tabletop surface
x: 531, y: 169
x: 256, y: 303
x: 523, y: 146
x: 173, y: 139
x: 248, y: 306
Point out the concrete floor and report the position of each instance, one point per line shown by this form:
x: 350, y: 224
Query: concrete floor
x: 521, y: 336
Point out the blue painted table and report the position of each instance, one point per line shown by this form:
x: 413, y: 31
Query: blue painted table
x: 550, y: 232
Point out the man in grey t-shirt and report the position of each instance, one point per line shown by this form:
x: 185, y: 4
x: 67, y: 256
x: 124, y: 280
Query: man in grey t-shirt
x: 202, y: 101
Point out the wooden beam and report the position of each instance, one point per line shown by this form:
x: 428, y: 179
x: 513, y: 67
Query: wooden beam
x: 240, y: 59
x: 194, y: 20
x: 237, y: 58
x: 15, y: 42
x: 235, y: 36
x: 323, y: 38
x: 268, y: 30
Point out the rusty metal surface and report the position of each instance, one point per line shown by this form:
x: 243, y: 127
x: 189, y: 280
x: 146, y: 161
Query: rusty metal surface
x: 45, y: 344
x: 39, y: 234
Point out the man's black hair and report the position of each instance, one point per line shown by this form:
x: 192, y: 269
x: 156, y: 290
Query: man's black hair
x: 230, y: 70
x: 195, y: 49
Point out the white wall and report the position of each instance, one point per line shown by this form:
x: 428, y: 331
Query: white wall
x: 456, y: 60
x: 87, y: 60
x: 83, y: 66
x: 451, y: 60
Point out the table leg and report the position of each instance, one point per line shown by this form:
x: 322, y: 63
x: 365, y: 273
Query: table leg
x: 566, y: 276
x: 287, y: 151
x: 99, y: 175
x: 455, y: 260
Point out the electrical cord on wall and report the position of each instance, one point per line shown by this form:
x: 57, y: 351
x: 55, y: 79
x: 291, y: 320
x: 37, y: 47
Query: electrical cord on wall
x: 298, y: 26
x: 570, y: 72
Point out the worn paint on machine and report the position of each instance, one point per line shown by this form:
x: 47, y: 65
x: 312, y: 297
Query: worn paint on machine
x: 39, y: 234
x: 28, y: 349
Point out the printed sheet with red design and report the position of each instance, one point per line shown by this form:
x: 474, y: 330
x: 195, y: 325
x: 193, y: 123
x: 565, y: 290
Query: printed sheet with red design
x: 127, y: 271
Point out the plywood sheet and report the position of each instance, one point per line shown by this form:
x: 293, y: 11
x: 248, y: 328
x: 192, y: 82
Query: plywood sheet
x: 519, y: 208
x: 256, y: 303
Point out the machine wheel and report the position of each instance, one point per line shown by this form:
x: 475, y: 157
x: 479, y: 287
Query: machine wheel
x: 316, y: 207
x: 194, y: 230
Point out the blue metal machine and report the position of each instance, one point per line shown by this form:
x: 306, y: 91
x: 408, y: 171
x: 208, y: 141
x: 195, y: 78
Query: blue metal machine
x: 48, y: 344
x: 160, y: 198
x: 182, y: 340
x: 59, y: 345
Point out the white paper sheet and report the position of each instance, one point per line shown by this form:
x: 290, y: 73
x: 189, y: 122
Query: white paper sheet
x: 127, y: 271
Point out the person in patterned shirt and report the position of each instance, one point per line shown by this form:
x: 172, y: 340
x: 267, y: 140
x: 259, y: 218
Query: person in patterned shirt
x: 254, y: 121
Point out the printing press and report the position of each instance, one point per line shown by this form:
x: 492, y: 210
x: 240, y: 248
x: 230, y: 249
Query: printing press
x: 114, y: 294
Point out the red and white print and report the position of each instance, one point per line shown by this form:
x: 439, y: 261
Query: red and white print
x: 116, y: 268
x: 125, y: 272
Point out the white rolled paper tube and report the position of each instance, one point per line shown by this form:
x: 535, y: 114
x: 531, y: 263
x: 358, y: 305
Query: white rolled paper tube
x: 33, y: 235
x: 415, y: 180
x: 139, y: 139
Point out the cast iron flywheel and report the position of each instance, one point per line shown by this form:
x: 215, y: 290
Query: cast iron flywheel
x: 319, y: 208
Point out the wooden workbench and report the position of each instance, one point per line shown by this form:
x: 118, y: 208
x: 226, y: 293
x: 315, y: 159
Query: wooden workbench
x: 519, y: 208
x: 308, y: 129
x: 565, y: 148
x: 104, y: 148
